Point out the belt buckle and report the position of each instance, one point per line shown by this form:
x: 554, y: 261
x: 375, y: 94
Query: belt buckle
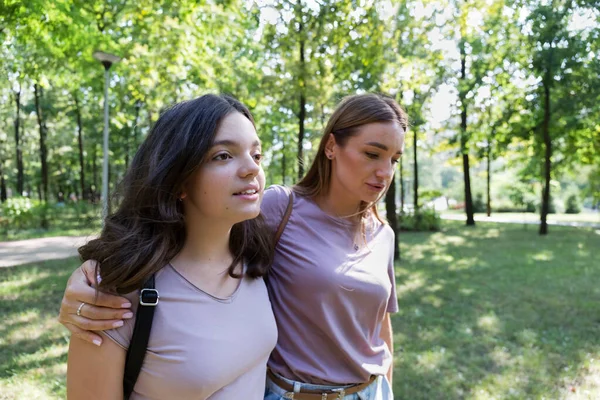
x: 341, y: 395
x: 288, y: 395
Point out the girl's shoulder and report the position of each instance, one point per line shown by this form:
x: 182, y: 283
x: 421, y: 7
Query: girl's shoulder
x: 379, y: 227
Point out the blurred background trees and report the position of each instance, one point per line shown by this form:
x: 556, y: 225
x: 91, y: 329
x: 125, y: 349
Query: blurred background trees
x: 503, y: 95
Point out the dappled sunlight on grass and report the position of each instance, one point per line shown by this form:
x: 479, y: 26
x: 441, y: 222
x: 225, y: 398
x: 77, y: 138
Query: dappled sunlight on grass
x: 442, y: 258
x: 587, y: 383
x: 431, y: 335
x: 433, y: 300
x: 489, y: 323
x: 43, y: 356
x: 15, y: 285
x: 413, y: 282
x: 544, y: 255
x: 465, y: 263
x: 33, y: 330
x: 33, y: 345
x: 432, y: 359
x: 515, y: 312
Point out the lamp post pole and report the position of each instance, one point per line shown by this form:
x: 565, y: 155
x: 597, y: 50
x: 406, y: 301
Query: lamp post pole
x: 105, y: 147
x: 107, y: 61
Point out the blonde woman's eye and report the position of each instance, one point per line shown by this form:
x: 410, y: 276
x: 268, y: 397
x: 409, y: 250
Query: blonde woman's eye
x: 374, y: 156
x: 221, y: 157
x: 395, y: 160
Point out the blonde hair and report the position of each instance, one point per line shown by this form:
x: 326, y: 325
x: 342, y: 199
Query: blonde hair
x: 352, y: 113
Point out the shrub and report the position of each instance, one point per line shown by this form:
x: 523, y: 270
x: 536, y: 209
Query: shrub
x: 23, y: 213
x: 573, y: 205
x: 423, y: 220
x: 479, y: 204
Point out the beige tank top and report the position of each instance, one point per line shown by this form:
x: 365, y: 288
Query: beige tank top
x: 201, y: 346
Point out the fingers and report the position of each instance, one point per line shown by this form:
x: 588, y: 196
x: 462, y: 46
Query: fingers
x: 84, y: 335
x: 87, y: 324
x: 109, y: 301
x: 93, y: 312
x: 100, y: 311
x: 79, y: 291
x: 88, y: 270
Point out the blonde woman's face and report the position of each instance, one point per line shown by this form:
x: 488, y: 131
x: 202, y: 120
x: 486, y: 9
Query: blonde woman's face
x: 364, y: 166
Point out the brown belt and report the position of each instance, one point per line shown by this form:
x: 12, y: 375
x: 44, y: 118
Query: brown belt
x: 306, y: 394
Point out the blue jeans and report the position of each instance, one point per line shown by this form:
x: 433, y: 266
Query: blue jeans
x: 380, y: 389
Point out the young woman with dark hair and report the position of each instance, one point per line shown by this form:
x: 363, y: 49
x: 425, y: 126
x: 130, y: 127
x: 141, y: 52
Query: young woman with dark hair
x: 190, y: 218
x: 332, y: 283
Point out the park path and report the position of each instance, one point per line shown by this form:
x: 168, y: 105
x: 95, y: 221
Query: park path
x: 53, y: 248
x: 34, y: 250
x: 462, y: 217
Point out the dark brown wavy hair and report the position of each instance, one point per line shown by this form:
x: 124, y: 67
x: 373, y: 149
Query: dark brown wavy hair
x: 147, y: 230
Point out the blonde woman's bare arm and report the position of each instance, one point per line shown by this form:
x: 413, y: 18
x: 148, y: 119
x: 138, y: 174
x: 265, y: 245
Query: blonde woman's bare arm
x: 388, y: 337
x: 95, y: 373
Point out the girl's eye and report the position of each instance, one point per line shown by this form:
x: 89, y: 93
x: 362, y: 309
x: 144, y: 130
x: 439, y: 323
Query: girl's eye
x: 374, y: 156
x: 258, y: 157
x: 221, y: 157
x: 395, y: 161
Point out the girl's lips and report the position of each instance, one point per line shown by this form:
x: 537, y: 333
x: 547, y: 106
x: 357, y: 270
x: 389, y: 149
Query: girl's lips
x: 248, y: 196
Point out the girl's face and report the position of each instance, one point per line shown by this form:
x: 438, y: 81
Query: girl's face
x: 364, y: 166
x: 228, y: 186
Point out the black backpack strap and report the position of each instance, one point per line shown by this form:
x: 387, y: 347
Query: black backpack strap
x: 141, y: 334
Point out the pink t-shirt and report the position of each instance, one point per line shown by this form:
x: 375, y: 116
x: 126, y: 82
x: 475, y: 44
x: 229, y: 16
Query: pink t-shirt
x: 329, y: 299
x: 204, y: 347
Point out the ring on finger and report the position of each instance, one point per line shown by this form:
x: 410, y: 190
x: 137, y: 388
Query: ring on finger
x: 79, y: 309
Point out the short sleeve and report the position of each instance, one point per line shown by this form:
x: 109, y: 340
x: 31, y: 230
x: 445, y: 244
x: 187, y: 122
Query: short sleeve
x: 392, y: 306
x: 274, y: 203
x: 122, y: 335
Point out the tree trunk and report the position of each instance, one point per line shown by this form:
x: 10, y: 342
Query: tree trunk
x: 18, y: 144
x: 3, y: 194
x: 463, y: 137
x: 109, y: 197
x: 301, y: 86
x: 547, y: 157
x: 94, y: 173
x: 43, y: 133
x: 415, y: 174
x: 401, y: 185
x: 80, y: 142
x: 283, y: 167
x: 488, y: 156
x: 301, y: 118
x: 390, y: 209
x: 133, y: 135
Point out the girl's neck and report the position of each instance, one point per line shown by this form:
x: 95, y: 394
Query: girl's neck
x: 338, y: 205
x: 206, y: 246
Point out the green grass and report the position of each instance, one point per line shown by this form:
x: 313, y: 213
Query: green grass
x: 33, y: 345
x: 498, y: 312
x: 493, y: 312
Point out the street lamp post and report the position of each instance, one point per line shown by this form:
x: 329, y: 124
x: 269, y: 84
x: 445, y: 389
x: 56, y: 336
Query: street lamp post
x: 107, y: 60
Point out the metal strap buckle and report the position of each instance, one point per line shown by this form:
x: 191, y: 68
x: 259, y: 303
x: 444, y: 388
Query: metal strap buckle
x: 149, y: 297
